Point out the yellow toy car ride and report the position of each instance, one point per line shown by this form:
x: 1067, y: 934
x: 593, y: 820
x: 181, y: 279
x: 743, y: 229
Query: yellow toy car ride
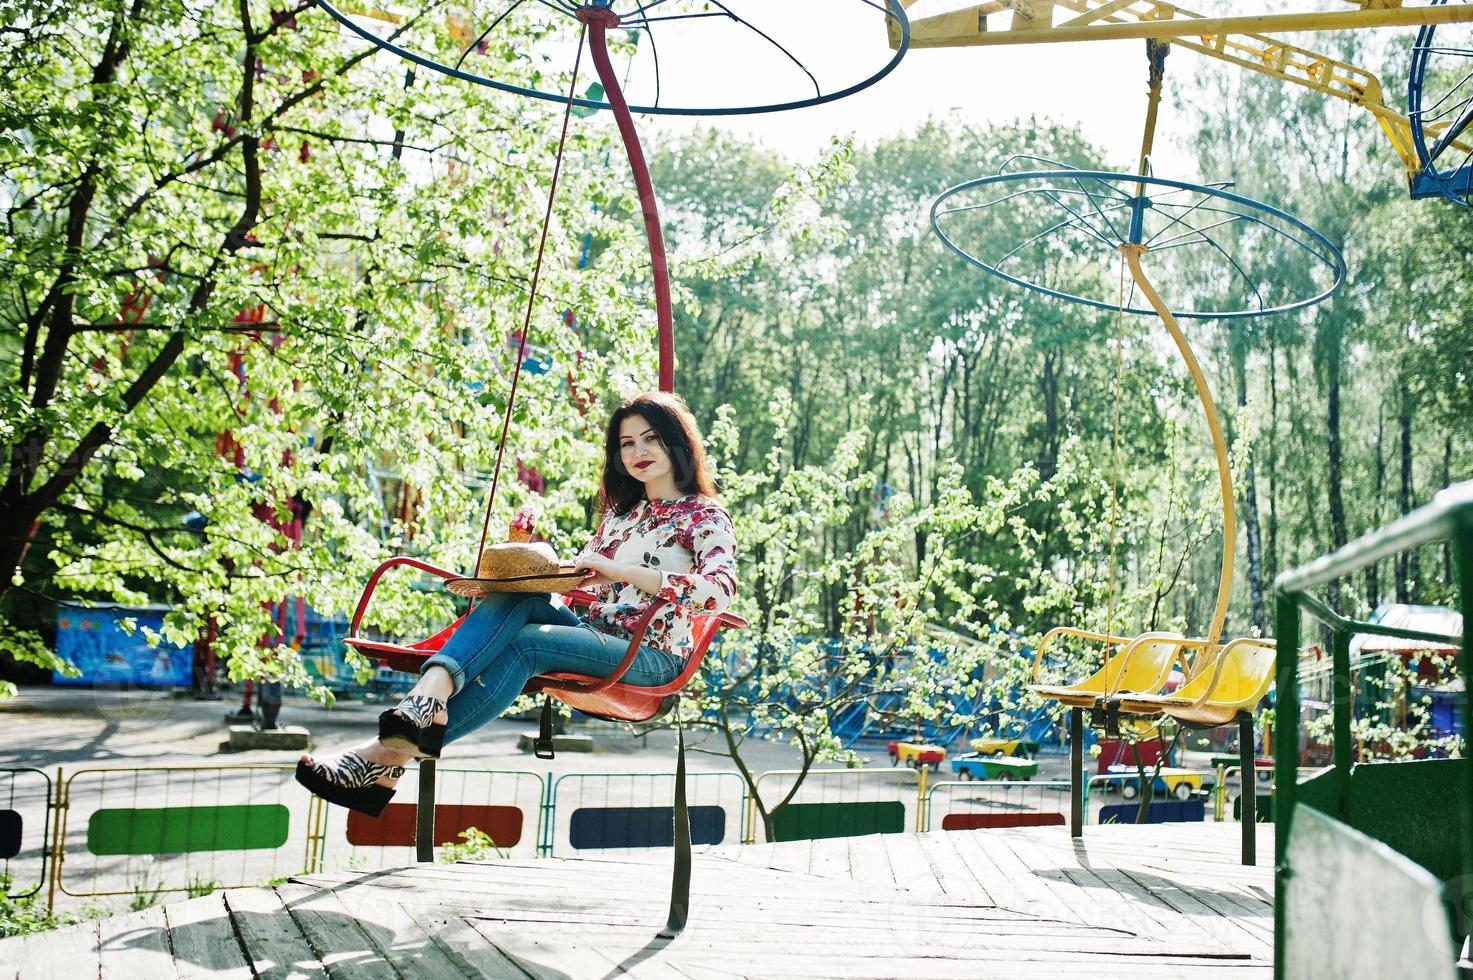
x: 1015, y: 747
x: 916, y: 755
x: 1179, y: 783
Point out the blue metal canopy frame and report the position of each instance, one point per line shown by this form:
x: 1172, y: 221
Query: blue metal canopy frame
x: 1108, y: 210
x: 641, y: 15
x: 1441, y: 173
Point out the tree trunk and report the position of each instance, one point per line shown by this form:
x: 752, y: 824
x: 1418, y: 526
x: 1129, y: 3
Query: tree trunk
x: 1373, y: 571
x: 1048, y: 383
x: 1333, y: 450
x: 1406, y: 562
x: 1272, y: 558
x: 1447, y: 481
x: 1253, y: 546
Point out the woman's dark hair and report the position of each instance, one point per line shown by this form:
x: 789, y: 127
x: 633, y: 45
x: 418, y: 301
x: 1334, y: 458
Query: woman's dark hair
x: 668, y: 415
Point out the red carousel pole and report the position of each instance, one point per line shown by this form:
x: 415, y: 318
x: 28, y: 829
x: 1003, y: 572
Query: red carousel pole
x: 599, y: 20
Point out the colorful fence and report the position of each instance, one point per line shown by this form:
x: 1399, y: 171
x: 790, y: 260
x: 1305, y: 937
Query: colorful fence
x: 148, y: 831
x: 629, y: 811
x: 154, y: 830
x: 1227, y: 798
x: 1178, y: 797
x: 505, y: 805
x: 973, y: 805
x: 25, y: 830
x: 838, y: 803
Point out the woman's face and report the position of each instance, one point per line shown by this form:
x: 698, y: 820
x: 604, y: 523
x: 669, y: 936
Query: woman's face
x: 641, y: 451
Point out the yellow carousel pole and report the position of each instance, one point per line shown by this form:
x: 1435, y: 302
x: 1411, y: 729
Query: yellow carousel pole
x: 1156, y: 52
x: 1133, y: 252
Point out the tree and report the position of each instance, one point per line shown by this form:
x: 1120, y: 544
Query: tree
x: 245, y: 267
x: 786, y: 678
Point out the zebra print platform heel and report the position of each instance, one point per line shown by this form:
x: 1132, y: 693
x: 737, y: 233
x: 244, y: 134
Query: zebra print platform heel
x: 348, y: 780
x: 410, y: 728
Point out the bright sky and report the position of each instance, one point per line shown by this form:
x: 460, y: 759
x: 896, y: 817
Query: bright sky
x: 1100, y: 86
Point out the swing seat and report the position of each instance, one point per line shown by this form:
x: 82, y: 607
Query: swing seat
x: 1142, y: 666
x: 598, y: 697
x: 1239, y: 677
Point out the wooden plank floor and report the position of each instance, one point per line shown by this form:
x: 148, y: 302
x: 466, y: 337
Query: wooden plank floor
x: 1137, y: 902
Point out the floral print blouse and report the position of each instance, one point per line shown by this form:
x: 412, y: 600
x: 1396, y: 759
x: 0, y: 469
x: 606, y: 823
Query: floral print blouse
x: 689, y: 541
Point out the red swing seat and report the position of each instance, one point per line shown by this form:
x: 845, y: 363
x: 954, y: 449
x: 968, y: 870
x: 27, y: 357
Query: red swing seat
x: 599, y: 697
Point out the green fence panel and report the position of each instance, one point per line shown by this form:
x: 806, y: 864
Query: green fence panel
x: 810, y: 821
x: 183, y: 829
x: 1413, y: 807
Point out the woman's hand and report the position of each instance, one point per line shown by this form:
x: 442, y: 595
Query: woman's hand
x: 601, y: 571
x: 606, y: 571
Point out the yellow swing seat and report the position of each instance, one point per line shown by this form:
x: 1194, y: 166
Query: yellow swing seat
x: 1234, y: 682
x: 1141, y: 667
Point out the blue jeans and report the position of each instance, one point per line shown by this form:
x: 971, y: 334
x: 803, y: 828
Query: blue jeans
x: 513, y: 637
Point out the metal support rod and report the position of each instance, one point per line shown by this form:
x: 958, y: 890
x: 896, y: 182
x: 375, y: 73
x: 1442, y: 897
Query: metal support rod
x: 424, y: 817
x: 1248, y: 788
x: 1156, y: 52
x: 1133, y: 253
x: 1286, y: 755
x: 57, y: 820
x: 599, y: 20
x: 680, y: 878
x: 1076, y: 772
x: 921, y: 792
x: 968, y: 28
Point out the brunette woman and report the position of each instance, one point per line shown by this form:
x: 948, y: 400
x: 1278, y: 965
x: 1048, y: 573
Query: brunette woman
x: 663, y: 535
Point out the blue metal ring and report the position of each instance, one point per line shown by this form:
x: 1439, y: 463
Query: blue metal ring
x: 1431, y: 181
x: 1332, y: 254
x: 893, y: 9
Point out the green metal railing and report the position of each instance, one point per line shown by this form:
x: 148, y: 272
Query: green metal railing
x: 1449, y: 517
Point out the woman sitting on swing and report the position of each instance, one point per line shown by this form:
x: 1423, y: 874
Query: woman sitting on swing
x: 663, y: 535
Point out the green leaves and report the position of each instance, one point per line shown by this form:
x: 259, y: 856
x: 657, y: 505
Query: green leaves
x: 351, y: 362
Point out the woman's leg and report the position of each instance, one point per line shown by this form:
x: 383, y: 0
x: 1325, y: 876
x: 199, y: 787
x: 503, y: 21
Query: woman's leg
x: 473, y: 648
x: 551, y: 648
x: 479, y: 640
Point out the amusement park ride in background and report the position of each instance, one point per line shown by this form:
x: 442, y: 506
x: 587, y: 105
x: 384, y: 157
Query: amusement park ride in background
x: 1428, y: 137
x: 1064, y: 227
x: 1063, y: 213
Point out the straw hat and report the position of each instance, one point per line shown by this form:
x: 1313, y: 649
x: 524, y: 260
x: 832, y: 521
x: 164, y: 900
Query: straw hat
x: 517, y: 568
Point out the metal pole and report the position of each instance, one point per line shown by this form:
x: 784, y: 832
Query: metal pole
x: 680, y: 876
x: 963, y: 28
x: 1156, y: 52
x: 424, y: 817
x: 1076, y: 772
x: 1248, y: 788
x: 58, y: 842
x: 599, y: 19
x: 921, y: 799
x: 1286, y: 755
x: 1133, y: 253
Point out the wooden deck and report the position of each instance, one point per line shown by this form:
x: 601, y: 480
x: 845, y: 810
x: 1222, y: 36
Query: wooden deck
x: 1137, y: 902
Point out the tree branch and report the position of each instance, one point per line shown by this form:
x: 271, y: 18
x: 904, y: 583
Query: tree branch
x: 26, y: 452
x: 220, y: 152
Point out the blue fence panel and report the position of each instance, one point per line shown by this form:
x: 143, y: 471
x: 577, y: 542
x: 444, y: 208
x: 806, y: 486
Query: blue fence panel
x: 1161, y: 811
x: 642, y: 826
